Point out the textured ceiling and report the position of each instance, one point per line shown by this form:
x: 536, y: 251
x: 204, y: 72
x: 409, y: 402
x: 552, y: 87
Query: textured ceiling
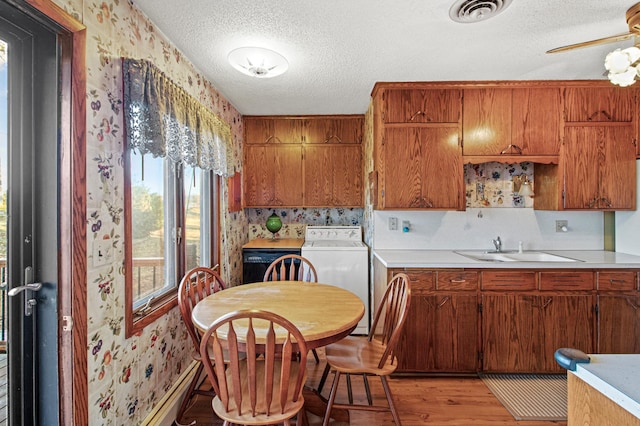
x: 338, y: 49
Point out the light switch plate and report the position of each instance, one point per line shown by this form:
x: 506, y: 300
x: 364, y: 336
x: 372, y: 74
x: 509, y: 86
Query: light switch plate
x: 393, y: 224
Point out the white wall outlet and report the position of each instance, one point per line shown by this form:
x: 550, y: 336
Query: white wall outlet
x: 393, y: 224
x: 101, y: 252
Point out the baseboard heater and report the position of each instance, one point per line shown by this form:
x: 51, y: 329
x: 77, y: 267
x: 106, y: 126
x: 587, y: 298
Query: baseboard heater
x: 164, y: 413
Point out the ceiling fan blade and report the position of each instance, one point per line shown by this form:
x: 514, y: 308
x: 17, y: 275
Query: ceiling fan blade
x: 609, y: 39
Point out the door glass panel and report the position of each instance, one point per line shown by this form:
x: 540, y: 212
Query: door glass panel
x: 3, y: 231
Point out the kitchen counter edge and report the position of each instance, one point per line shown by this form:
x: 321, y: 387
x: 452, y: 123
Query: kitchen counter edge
x: 588, y: 259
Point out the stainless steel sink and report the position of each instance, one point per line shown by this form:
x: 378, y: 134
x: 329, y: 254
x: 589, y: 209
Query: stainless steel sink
x: 514, y: 256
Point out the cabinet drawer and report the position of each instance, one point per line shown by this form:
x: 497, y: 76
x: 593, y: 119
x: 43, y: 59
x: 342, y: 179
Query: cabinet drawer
x: 566, y: 280
x: 610, y: 280
x: 457, y: 280
x: 421, y: 281
x: 508, y: 280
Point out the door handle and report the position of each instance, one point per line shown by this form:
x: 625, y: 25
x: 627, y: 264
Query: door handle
x: 29, y: 303
x: 17, y: 290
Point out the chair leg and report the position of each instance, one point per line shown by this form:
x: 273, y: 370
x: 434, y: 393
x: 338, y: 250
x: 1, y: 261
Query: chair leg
x: 315, y: 355
x: 349, y: 392
x: 366, y: 389
x: 189, y: 394
x: 325, y: 373
x: 392, y: 407
x: 332, y: 398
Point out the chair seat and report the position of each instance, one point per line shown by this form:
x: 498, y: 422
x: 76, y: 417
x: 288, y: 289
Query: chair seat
x: 358, y: 355
x: 277, y: 415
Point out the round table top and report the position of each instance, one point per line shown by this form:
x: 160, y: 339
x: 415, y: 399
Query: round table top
x: 323, y: 313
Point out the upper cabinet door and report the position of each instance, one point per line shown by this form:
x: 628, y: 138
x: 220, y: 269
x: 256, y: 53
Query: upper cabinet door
x: 267, y: 130
x: 339, y: 130
x: 598, y: 104
x: 512, y: 121
x: 536, y: 120
x: 486, y: 122
x: 422, y: 106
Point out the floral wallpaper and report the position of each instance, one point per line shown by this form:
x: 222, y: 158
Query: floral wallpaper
x: 127, y: 377
x: 294, y: 221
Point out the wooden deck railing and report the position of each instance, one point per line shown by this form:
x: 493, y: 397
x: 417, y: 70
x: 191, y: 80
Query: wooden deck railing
x: 147, y: 274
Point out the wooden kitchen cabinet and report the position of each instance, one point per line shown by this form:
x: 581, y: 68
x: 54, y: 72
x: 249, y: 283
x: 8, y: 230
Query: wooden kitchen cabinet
x: 618, y: 329
x: 334, y: 129
x: 521, y: 332
x: 441, y: 331
x: 272, y: 176
x: 333, y: 176
x: 511, y: 122
x: 422, y: 169
x: 599, y: 104
x: 599, y: 168
x: 417, y: 152
x: 522, y: 329
x: 274, y: 130
x: 422, y: 106
x: 303, y: 161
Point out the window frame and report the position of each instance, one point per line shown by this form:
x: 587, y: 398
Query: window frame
x: 136, y: 319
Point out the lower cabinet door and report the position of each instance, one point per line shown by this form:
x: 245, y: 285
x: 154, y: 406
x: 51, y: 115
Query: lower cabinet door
x: 440, y: 335
x: 619, y: 324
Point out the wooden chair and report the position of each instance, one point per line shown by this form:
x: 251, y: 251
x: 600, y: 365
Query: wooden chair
x: 197, y: 284
x: 265, y: 386
x: 284, y: 269
x: 373, y: 355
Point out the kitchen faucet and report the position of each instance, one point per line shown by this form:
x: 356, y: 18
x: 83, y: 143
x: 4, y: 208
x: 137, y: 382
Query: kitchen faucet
x: 498, y: 244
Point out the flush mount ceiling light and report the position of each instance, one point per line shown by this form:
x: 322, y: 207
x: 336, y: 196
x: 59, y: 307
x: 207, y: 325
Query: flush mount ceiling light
x: 258, y: 62
x: 469, y: 11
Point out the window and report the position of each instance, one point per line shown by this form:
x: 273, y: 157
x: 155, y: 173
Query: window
x: 170, y: 230
x: 176, y: 151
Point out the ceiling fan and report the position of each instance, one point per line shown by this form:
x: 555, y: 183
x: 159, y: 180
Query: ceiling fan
x: 633, y: 20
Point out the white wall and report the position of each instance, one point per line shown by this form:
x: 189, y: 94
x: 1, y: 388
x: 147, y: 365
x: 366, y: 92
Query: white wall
x: 628, y: 225
x: 450, y: 230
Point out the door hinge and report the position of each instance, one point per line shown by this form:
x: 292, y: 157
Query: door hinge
x: 67, y: 323
x: 480, y: 357
x: 480, y: 307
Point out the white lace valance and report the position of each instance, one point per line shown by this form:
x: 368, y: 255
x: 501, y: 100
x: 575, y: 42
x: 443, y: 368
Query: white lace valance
x: 163, y: 120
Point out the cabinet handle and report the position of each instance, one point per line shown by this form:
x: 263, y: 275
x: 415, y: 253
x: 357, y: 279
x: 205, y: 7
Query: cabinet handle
x: 633, y: 305
x: 444, y: 301
x: 603, y: 112
x: 417, y: 114
x: 510, y: 149
x: 547, y: 303
x: 273, y: 138
x: 327, y: 140
x: 592, y: 203
x: 612, y: 281
x: 458, y: 281
x: 606, y: 201
x: 425, y: 202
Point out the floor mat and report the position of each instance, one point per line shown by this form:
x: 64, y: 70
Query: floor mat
x: 530, y: 396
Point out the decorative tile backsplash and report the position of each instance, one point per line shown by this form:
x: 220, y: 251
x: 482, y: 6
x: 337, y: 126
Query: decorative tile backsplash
x: 491, y: 184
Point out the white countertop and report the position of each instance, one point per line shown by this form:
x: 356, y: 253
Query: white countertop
x: 616, y: 377
x: 589, y: 259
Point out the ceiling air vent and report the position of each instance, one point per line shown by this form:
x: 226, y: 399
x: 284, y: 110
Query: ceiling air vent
x: 469, y: 11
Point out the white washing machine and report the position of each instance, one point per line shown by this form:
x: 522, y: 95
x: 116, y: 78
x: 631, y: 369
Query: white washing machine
x: 341, y: 259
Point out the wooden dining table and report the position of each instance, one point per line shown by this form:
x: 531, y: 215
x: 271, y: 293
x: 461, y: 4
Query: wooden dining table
x: 323, y: 313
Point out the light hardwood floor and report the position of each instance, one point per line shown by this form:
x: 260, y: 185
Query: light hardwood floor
x: 440, y: 401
